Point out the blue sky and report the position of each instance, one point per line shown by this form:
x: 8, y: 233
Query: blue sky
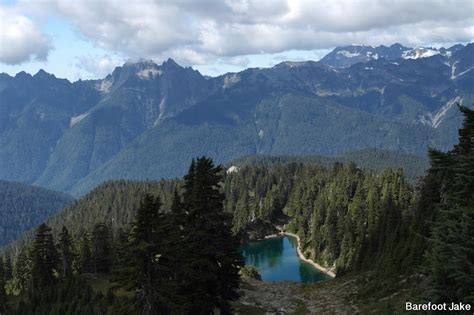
x: 87, y: 39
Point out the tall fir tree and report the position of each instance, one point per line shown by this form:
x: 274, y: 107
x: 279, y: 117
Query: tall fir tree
x: 101, y: 249
x: 148, y: 270
x: 66, y: 249
x: 85, y: 264
x: 209, y: 276
x: 450, y: 258
x: 8, y: 268
x: 45, y: 258
x: 22, y: 270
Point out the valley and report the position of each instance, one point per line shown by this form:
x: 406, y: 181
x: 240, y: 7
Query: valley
x: 363, y: 160
x: 76, y: 135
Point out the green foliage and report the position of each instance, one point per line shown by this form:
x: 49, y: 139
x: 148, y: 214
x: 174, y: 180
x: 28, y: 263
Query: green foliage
x: 22, y: 270
x: 84, y: 264
x: 101, y: 249
x: 23, y: 207
x: 45, y: 259
x: 71, y: 296
x: 177, y: 251
x: 450, y: 256
x: 3, y: 294
x: 114, y: 203
x: 66, y: 249
x: 250, y: 272
x: 209, y: 258
x: 148, y: 270
x: 291, y: 124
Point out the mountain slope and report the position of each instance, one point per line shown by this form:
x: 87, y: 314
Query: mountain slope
x: 147, y: 120
x: 115, y: 202
x: 23, y: 207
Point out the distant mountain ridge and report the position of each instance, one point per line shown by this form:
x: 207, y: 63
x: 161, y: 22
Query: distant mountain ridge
x: 23, y: 207
x: 147, y: 121
x: 343, y: 57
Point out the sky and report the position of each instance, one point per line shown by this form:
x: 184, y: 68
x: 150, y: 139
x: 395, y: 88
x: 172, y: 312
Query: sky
x: 87, y: 39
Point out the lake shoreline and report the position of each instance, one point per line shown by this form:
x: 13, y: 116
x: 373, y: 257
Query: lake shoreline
x: 298, y: 250
x: 309, y: 261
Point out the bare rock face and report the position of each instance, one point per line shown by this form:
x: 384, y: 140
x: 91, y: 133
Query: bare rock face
x: 330, y: 297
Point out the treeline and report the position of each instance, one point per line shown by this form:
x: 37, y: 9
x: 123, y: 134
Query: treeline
x: 414, y: 167
x: 184, y: 260
x: 23, y: 207
x: 348, y: 219
x: 342, y: 215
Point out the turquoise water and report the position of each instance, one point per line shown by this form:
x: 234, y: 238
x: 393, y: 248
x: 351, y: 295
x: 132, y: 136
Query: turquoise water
x: 277, y: 260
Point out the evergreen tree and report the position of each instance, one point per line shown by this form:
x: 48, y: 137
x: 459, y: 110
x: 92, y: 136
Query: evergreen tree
x: 148, y: 271
x: 211, y: 260
x: 45, y: 258
x: 22, y: 270
x: 121, y: 250
x: 85, y: 264
x: 67, y: 253
x: 450, y: 259
x: 8, y: 268
x: 3, y: 295
x: 176, y: 222
x: 101, y: 249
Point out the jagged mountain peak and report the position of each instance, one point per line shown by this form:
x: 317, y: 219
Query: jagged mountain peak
x: 146, y: 112
x: 43, y: 74
x: 420, y: 52
x: 23, y: 74
x: 170, y: 63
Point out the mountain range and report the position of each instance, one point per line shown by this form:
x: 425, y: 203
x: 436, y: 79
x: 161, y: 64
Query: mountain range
x: 147, y: 121
x: 343, y: 57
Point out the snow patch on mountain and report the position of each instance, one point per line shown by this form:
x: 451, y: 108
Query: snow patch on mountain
x: 419, y: 52
x: 76, y: 119
x: 348, y: 54
x: 434, y: 120
x: 372, y: 55
x: 453, y: 70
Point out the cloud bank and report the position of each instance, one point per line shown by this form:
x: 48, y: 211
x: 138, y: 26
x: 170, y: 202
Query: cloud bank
x: 20, y: 38
x: 200, y: 32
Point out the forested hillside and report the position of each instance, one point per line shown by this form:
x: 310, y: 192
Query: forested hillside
x: 413, y: 166
x: 116, y: 201
x: 354, y: 221
x: 23, y: 207
x: 184, y: 260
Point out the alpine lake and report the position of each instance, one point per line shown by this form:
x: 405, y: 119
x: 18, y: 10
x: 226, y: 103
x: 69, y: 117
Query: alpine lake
x: 277, y: 260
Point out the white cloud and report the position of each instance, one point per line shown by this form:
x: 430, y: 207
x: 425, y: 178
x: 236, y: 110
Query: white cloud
x: 98, y: 66
x: 199, y: 32
x: 20, y: 39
